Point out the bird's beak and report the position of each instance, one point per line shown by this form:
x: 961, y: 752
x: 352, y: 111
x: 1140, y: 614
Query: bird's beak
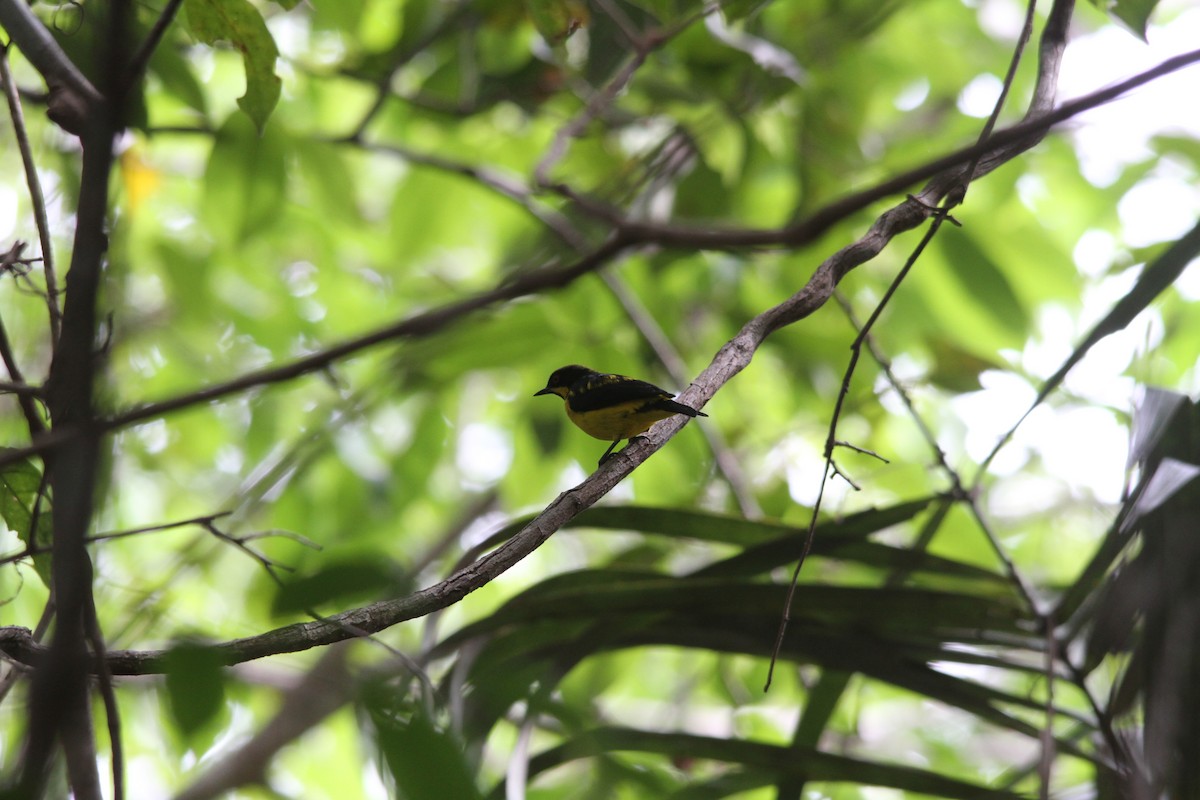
x: 543, y: 391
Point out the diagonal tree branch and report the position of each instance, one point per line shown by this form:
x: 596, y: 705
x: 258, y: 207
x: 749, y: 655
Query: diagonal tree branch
x: 39, y: 47
x: 73, y: 99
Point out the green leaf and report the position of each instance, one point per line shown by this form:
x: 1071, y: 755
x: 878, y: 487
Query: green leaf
x: 195, y: 686
x: 341, y: 583
x: 823, y: 698
x: 543, y: 646
x: 702, y: 193
x: 381, y: 24
x: 907, y: 614
x: 979, y: 274
x: 240, y: 24
x: 807, y: 763
x: 956, y: 367
x: 1135, y: 14
x: 427, y: 763
x: 20, y: 483
x: 244, y: 181
x: 1155, y: 279
x: 178, y: 78
x: 711, y: 527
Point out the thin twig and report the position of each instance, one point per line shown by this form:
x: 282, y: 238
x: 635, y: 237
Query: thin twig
x: 644, y: 45
x: 889, y: 374
x: 1005, y: 87
x: 34, y: 549
x: 1006, y: 561
x: 958, y: 491
x: 137, y: 64
x: 832, y: 468
x: 623, y: 23
x: 1123, y: 761
x: 384, y: 83
x: 861, y: 450
x: 830, y: 439
x: 599, y: 101
x: 37, y: 199
x: 953, y: 193
x: 8, y: 387
x: 243, y: 543
x: 112, y: 712
x: 203, y: 520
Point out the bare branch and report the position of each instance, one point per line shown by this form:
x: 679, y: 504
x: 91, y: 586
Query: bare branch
x: 39, y: 47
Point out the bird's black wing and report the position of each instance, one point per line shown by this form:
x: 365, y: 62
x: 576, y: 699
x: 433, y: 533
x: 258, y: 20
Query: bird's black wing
x: 604, y: 391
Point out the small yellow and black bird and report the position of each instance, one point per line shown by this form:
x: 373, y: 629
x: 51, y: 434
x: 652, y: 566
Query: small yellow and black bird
x: 612, y: 407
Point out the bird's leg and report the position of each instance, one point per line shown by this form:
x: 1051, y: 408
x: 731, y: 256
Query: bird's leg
x: 608, y: 452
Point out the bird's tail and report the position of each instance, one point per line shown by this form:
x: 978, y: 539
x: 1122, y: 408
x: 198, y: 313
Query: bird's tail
x: 679, y: 408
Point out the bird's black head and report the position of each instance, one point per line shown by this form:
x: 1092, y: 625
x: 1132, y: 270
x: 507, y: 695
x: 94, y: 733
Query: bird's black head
x: 563, y: 378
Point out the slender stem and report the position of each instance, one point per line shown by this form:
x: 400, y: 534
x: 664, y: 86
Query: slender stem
x: 36, y: 198
x: 137, y: 66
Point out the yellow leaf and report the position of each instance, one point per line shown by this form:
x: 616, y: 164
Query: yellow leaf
x: 139, y: 178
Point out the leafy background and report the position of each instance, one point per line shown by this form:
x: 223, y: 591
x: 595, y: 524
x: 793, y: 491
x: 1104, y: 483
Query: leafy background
x: 964, y: 627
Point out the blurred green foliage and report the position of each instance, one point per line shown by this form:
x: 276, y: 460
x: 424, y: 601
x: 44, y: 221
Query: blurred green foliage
x: 387, y: 162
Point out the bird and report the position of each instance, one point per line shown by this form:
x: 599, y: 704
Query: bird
x: 612, y: 407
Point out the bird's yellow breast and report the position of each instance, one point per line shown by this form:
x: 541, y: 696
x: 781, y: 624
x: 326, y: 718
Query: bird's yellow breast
x: 620, y: 421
